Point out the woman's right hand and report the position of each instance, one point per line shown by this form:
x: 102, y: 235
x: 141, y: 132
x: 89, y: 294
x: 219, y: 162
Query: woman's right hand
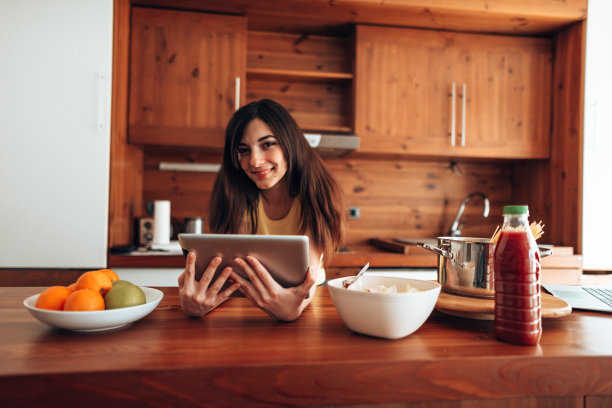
x: 199, y: 298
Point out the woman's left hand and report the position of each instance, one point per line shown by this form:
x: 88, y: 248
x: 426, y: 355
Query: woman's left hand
x: 282, y: 303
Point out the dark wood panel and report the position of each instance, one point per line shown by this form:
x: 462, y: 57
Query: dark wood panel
x: 188, y: 192
x: 405, y: 101
x: 397, y: 198
x: 299, y: 52
x: 183, y: 71
x: 553, y: 188
x: 319, y: 105
x: 39, y: 277
x: 324, y: 16
x: 598, y: 401
x: 125, y: 197
x: 534, y: 402
x: 566, y: 158
x: 401, y: 198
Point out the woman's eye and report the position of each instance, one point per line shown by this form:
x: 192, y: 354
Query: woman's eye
x: 268, y: 144
x: 242, y: 150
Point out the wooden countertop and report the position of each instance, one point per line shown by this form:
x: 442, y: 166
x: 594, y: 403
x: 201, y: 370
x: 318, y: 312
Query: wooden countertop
x: 358, y: 255
x: 238, y: 356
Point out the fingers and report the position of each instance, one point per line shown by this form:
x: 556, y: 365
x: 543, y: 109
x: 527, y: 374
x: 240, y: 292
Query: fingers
x: 257, y: 273
x: 220, y: 281
x: 209, y: 272
x: 309, y: 280
x: 228, y: 292
x: 198, y: 298
x: 186, y: 279
x: 239, y: 278
x: 245, y: 286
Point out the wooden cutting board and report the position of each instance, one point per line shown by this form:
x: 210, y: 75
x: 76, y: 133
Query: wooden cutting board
x: 484, y: 309
x: 390, y: 245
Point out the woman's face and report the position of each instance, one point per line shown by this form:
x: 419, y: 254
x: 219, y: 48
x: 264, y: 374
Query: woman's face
x: 261, y: 156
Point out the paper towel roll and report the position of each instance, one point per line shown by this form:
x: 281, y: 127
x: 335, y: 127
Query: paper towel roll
x: 161, y: 222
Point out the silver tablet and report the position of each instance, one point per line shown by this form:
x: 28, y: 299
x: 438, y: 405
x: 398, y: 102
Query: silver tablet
x: 284, y: 256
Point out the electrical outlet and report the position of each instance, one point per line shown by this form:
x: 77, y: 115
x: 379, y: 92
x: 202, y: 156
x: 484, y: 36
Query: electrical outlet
x: 353, y: 213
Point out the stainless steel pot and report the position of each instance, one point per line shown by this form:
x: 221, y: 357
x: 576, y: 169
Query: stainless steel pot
x: 465, y: 265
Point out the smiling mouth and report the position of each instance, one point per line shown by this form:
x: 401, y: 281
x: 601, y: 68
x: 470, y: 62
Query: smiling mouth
x: 262, y: 174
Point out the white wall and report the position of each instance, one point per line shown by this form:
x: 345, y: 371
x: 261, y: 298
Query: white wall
x: 54, y: 132
x: 597, y: 175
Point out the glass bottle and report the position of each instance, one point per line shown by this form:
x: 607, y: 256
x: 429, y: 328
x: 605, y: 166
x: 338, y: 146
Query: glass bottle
x: 518, y: 317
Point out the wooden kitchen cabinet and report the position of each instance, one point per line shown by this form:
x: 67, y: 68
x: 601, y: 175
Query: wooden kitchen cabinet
x: 310, y: 75
x: 187, y: 75
x: 405, y: 101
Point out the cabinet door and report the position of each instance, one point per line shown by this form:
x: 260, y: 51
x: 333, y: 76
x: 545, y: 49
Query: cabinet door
x: 187, y: 73
x: 508, y: 95
x: 402, y: 91
x: 410, y: 94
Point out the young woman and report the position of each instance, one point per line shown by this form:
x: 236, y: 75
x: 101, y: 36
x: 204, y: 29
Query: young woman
x: 271, y: 182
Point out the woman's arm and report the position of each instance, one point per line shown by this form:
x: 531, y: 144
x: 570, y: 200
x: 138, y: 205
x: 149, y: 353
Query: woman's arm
x: 285, y: 304
x: 199, y: 298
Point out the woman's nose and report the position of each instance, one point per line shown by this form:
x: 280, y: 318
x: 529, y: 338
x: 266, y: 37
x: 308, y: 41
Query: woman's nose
x: 256, y: 158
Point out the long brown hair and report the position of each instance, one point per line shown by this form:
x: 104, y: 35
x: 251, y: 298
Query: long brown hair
x: 234, y: 200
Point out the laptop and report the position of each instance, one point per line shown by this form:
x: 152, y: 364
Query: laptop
x: 594, y: 298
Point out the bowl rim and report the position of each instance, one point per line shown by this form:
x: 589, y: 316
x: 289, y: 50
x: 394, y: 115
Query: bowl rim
x: 156, y: 296
x: 436, y: 287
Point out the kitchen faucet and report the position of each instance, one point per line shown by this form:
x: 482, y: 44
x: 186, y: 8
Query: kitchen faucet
x: 455, y: 229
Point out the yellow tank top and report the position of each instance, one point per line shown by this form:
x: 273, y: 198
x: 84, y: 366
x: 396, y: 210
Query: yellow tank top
x: 289, y: 225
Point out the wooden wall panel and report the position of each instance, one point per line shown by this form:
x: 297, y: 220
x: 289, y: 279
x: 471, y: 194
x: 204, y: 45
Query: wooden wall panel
x: 183, y: 68
x: 125, y: 160
x: 567, y: 131
x: 322, y: 16
x: 188, y: 192
x: 309, y: 75
x: 266, y: 50
x: 401, y: 198
x: 553, y: 188
x: 319, y: 105
x: 397, y: 198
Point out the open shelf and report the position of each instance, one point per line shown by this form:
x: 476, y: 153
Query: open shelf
x: 268, y: 73
x: 310, y: 75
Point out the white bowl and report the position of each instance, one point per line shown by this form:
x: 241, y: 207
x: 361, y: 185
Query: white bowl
x: 96, y: 320
x: 386, y: 315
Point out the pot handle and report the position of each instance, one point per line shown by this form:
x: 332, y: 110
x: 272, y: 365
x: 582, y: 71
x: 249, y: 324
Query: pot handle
x: 545, y: 252
x: 436, y: 250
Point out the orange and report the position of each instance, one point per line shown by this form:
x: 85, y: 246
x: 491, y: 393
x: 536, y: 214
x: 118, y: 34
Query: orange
x: 94, y: 280
x: 110, y: 273
x: 84, y: 300
x: 53, y: 298
x: 72, y: 286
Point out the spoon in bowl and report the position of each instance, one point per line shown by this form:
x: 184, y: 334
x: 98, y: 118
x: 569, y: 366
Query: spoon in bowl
x: 348, y: 282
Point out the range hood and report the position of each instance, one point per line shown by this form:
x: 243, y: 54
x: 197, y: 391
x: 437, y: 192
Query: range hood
x: 330, y: 145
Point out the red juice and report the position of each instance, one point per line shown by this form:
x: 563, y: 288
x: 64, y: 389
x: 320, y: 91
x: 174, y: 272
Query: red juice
x: 517, y: 288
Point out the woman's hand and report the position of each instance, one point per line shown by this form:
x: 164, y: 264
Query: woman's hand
x: 282, y: 303
x: 199, y: 298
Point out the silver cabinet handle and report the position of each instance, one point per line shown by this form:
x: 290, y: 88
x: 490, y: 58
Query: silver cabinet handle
x: 237, y: 96
x: 453, y: 115
x: 463, y: 100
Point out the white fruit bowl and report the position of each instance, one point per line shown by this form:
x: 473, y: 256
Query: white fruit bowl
x: 96, y: 320
x: 386, y: 315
